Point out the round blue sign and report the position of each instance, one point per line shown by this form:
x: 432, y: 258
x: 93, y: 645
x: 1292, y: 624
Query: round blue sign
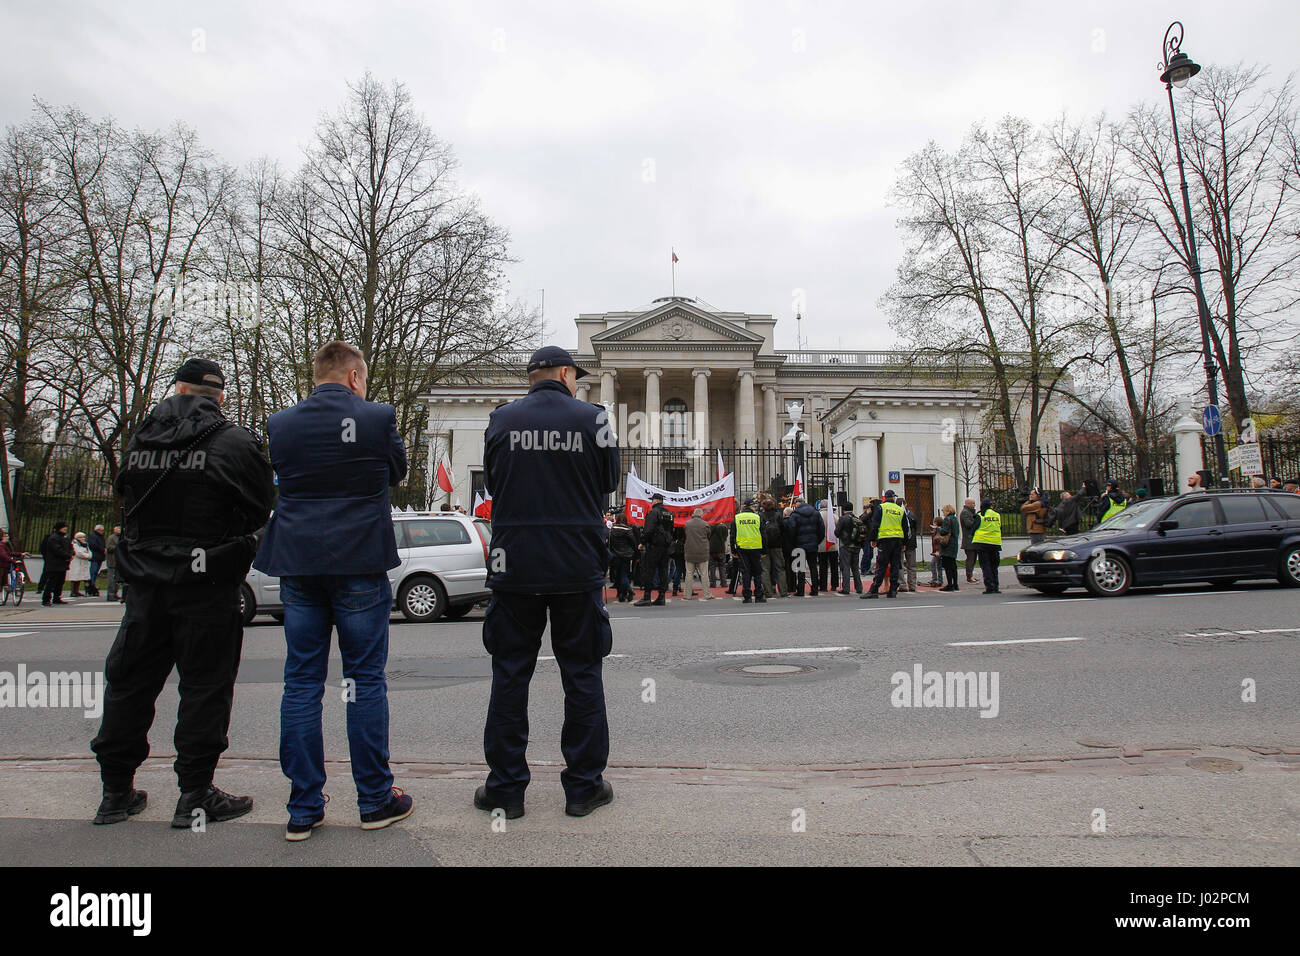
x: 1211, y: 420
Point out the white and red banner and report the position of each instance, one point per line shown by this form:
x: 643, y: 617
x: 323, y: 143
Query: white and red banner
x: 798, y: 485
x: 718, y: 501
x: 444, y: 475
x: 722, y: 469
x: 483, y: 506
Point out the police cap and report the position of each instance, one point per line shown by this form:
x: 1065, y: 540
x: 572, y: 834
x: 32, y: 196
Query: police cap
x: 552, y: 356
x: 200, y: 371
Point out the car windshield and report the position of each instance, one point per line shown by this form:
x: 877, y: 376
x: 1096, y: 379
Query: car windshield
x: 1134, y: 517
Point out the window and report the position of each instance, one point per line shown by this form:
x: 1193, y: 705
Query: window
x: 1289, y: 505
x: 1195, y: 514
x: 674, y: 424
x: 1241, y: 509
x: 429, y: 532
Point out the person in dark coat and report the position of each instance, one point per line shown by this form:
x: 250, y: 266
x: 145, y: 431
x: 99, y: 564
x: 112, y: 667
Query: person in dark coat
x: 849, y: 531
x: 56, y: 549
x: 807, y: 531
x: 719, y: 538
x: 970, y: 520
x: 622, y: 546
x: 657, y: 540
x: 95, y: 541
x: 695, y: 551
x: 950, y: 528
x: 1068, y: 513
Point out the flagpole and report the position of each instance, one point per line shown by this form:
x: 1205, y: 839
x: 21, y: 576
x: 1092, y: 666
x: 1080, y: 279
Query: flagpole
x: 674, y: 258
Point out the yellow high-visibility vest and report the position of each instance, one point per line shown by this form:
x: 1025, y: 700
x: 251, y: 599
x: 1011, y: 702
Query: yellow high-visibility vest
x: 990, y: 529
x: 1115, y: 508
x: 748, y: 536
x: 891, y: 520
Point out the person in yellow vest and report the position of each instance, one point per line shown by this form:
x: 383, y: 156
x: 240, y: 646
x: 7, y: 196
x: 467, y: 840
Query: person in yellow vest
x: 1114, y: 499
x: 747, y: 546
x: 888, y: 529
x: 988, y: 545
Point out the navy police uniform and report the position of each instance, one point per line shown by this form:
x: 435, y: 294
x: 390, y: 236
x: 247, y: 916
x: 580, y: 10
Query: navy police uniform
x: 549, y: 462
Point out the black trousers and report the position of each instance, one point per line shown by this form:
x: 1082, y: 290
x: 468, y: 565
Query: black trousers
x: 196, y: 629
x: 580, y: 637
x: 828, y: 564
x: 655, y: 566
x: 889, y: 554
x: 52, y: 590
x: 972, y: 556
x: 950, y: 570
x: 990, y: 557
x: 751, y: 572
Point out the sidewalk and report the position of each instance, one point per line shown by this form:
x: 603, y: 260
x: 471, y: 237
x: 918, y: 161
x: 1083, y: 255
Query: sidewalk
x: 75, y: 611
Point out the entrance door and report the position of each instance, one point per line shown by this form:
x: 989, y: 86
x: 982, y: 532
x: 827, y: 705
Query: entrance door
x: 674, y: 478
x: 918, y: 492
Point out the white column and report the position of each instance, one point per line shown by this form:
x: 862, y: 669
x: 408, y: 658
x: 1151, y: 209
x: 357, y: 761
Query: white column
x: 701, y: 417
x: 745, y: 408
x: 653, y: 409
x: 1187, y: 452
x: 866, y: 473
x: 771, y: 426
x: 607, y: 396
x: 584, y: 391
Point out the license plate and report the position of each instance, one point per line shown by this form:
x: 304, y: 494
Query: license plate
x: 1026, y: 569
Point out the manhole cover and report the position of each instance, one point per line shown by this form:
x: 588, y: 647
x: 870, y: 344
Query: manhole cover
x: 1214, y: 764
x: 767, y: 670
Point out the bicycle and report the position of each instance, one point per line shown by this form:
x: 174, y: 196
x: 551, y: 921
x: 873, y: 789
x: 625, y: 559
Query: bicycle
x: 15, y: 583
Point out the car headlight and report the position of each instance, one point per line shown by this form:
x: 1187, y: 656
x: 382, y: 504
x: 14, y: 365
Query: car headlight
x: 1060, y: 555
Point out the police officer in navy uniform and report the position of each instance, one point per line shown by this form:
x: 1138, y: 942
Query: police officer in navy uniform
x: 549, y: 462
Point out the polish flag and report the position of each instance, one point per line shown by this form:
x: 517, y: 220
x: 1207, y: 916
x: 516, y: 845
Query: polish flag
x: 722, y: 469
x: 483, y: 506
x: 798, y: 485
x: 444, y: 474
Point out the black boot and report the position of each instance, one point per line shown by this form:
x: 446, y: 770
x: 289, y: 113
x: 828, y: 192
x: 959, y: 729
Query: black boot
x: 116, y: 807
x: 217, y: 805
x: 661, y: 600
x: 645, y: 599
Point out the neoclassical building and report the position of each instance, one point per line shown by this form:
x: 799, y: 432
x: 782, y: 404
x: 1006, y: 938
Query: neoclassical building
x: 681, y: 380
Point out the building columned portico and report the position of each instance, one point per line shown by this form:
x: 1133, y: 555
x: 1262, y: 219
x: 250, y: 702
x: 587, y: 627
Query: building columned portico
x: 678, y: 376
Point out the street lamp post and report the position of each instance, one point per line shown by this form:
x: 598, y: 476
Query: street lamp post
x: 1177, y: 68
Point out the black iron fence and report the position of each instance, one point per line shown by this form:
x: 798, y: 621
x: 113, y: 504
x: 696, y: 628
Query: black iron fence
x: 74, y: 485
x: 1280, y: 457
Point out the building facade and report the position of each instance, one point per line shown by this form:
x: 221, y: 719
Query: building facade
x: 681, y: 381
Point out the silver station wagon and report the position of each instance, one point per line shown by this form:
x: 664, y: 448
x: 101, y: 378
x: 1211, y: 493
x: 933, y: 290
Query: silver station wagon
x: 443, y: 571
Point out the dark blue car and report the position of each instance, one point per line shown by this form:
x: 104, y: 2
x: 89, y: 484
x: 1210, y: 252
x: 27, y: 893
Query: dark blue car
x: 1220, y: 536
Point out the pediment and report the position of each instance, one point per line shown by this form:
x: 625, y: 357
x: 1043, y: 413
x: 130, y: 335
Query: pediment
x: 677, y: 322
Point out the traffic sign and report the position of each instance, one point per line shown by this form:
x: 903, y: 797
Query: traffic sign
x: 1211, y: 420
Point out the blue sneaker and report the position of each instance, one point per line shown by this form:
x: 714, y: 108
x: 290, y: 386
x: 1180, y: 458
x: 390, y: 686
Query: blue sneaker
x: 295, y: 832
x: 399, y: 808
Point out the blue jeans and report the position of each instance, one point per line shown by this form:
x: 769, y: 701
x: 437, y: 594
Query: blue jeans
x: 359, y: 606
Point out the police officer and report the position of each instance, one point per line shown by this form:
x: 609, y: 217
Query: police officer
x: 889, y: 527
x: 988, y: 545
x: 196, y: 488
x: 549, y: 462
x: 657, y: 538
x: 1113, y: 501
x: 747, y: 546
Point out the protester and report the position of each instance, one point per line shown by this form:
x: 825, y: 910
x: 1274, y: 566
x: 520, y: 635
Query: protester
x: 719, y: 540
x: 79, y: 566
x: 110, y: 559
x: 696, y: 554
x: 56, y: 550
x: 331, y: 544
x: 772, y: 526
x: 988, y: 543
x: 909, y: 547
x: 807, y: 532
x: 1194, y: 482
x: 196, y: 490
x: 95, y: 541
x: 1068, y: 513
x: 1292, y: 485
x: 948, y: 538
x: 622, y: 546
x: 851, y: 534
x: 1035, y: 513
x: 656, y: 541
x: 970, y: 520
x: 828, y: 555
x: 677, y: 559
x: 936, y: 557
x: 868, y: 517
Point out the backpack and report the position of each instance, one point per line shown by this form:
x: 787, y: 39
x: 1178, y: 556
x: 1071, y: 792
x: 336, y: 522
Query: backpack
x: 858, y: 535
x: 1051, y: 516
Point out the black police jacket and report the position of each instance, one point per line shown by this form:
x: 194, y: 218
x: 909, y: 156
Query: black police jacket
x: 198, y: 526
x: 657, y: 534
x: 56, y: 549
x: 549, y: 462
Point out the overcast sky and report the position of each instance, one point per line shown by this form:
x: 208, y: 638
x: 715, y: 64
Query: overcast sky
x: 757, y: 139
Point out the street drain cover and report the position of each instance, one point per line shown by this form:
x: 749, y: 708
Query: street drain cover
x: 1214, y: 764
x: 767, y: 670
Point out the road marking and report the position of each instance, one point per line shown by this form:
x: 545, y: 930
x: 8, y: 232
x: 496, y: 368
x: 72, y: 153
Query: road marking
x: 739, y: 613
x: 1262, y: 630
x: 17, y: 634
x: 1034, y: 602
x: 1023, y: 640
x: 900, y: 607
x: 545, y: 657
x: 63, y: 625
x: 785, y: 650
x: 1201, y: 593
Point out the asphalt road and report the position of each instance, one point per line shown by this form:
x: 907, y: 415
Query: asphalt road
x: 1131, y: 706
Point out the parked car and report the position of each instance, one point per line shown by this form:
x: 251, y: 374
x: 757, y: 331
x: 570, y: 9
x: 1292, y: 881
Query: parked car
x: 1221, y: 536
x: 443, y: 571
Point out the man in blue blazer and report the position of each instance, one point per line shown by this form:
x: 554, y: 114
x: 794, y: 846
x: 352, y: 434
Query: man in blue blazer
x: 331, y: 544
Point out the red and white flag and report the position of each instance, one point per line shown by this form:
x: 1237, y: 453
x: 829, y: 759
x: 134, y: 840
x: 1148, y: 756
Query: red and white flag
x: 722, y: 469
x: 798, y: 484
x: 444, y: 474
x: 718, y: 501
x: 483, y: 506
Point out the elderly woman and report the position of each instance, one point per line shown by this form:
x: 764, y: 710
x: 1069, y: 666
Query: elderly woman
x: 79, y: 568
x: 949, y: 539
